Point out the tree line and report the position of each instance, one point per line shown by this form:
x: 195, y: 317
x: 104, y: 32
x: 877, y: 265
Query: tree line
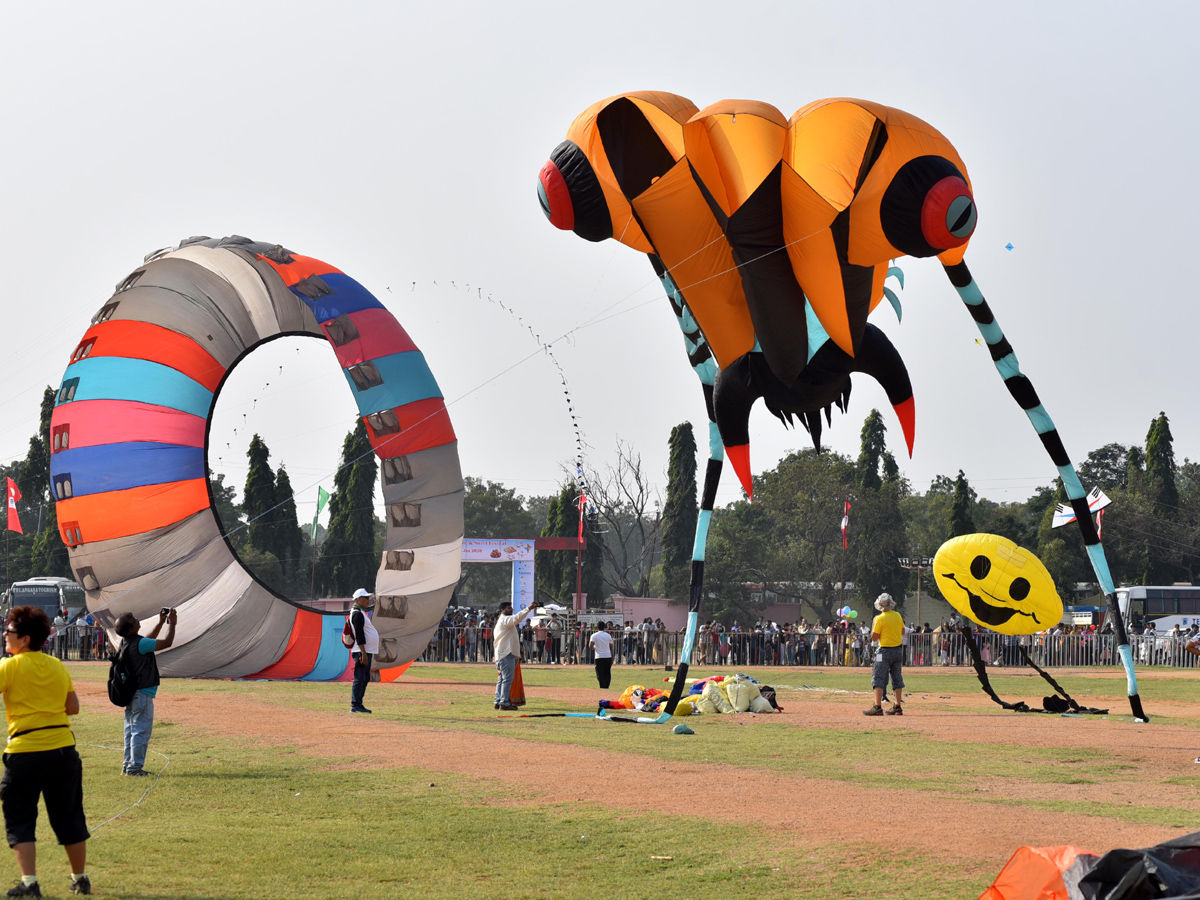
x: 786, y: 545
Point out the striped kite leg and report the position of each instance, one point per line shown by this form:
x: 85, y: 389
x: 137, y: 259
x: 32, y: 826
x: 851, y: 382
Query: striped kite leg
x: 1022, y: 391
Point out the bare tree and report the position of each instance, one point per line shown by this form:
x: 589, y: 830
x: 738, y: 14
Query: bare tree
x: 630, y: 518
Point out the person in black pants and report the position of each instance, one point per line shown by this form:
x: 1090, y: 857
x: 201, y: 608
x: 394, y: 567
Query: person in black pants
x: 366, y: 646
x: 602, y: 643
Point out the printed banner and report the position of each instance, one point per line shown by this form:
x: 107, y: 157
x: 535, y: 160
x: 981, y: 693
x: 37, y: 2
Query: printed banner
x: 497, y: 550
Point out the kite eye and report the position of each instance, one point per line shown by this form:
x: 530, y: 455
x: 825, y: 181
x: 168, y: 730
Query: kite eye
x: 927, y: 207
x: 948, y: 214
x: 1019, y: 589
x: 571, y: 196
x: 980, y: 566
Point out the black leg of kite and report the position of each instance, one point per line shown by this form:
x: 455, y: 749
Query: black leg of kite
x: 981, y: 671
x: 1022, y: 391
x: 1058, y: 688
x: 705, y: 367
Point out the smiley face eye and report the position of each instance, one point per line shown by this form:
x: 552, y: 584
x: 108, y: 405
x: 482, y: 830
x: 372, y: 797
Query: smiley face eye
x: 1019, y: 589
x: 980, y: 566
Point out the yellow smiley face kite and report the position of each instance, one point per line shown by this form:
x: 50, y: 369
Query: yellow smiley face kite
x: 997, y: 584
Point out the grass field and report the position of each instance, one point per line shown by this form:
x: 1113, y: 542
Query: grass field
x: 274, y: 790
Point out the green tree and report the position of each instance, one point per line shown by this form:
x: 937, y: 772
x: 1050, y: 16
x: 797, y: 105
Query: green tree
x: 961, y: 521
x: 490, y: 510
x: 229, y: 514
x: 879, y: 533
x: 548, y: 567
x: 258, y: 499
x: 348, y: 560
x: 873, y: 447
x: 1160, y: 465
x: 288, y: 538
x: 680, y: 513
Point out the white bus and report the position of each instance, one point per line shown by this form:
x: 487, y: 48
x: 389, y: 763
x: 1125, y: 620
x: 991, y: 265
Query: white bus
x: 1166, y: 606
x: 49, y: 594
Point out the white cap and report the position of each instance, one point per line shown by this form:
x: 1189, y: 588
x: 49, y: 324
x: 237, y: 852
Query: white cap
x: 361, y: 592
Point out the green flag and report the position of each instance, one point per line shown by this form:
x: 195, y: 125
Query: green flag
x: 322, y: 499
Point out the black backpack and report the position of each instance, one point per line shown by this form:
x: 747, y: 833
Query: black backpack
x: 122, y: 680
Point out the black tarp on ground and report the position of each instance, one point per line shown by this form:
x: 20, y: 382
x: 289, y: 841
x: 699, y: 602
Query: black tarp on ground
x: 1168, y: 871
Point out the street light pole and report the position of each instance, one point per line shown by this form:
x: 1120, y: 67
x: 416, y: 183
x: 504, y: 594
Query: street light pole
x: 919, y: 563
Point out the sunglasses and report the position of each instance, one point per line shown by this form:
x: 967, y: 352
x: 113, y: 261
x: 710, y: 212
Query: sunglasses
x: 12, y: 631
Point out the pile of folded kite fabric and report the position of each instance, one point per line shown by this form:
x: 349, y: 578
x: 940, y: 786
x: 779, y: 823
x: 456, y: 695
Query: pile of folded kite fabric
x: 719, y: 694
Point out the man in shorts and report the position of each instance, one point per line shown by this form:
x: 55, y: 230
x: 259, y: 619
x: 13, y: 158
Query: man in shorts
x: 887, y: 629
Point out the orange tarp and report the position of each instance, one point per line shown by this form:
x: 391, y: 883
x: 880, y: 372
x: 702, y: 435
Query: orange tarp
x: 1034, y: 873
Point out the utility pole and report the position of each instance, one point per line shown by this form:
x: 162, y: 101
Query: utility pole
x: 921, y: 564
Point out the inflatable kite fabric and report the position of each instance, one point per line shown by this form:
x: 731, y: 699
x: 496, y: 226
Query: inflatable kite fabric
x: 997, y: 584
x: 773, y: 237
x: 1167, y: 871
x: 129, y: 440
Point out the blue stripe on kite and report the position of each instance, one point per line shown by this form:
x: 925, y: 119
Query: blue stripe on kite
x: 406, y: 378
x: 701, y: 535
x: 118, y: 467
x: 1131, y: 688
x: 707, y: 372
x: 817, y: 335
x: 689, y: 638
x: 332, y: 657
x: 992, y: 333
x: 1071, y: 482
x: 122, y: 378
x: 971, y: 295
x: 1095, y: 553
x: 1008, y: 367
x: 716, y: 450
x: 348, y: 297
x: 1042, y: 423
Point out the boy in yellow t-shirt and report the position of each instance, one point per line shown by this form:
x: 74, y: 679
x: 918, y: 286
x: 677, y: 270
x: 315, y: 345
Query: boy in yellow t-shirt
x: 888, y: 630
x: 40, y: 759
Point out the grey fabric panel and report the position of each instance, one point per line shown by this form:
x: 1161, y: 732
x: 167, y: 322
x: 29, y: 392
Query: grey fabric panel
x: 199, y: 322
x: 402, y: 649
x: 423, y: 610
x: 242, y: 278
x: 434, y: 471
x: 243, y: 634
x: 441, y: 521
x: 193, y: 284
x: 292, y: 312
x: 267, y: 645
x: 122, y: 563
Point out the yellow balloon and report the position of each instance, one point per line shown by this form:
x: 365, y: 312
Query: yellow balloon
x: 997, y: 584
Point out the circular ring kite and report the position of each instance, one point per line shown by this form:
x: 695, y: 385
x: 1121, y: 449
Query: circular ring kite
x: 129, y: 442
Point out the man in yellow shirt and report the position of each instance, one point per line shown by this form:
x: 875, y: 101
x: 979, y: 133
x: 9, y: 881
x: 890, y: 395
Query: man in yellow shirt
x: 40, y: 759
x: 887, y: 629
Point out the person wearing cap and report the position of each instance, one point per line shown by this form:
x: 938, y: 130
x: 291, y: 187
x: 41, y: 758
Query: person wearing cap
x: 508, y: 651
x: 887, y: 629
x: 366, y: 645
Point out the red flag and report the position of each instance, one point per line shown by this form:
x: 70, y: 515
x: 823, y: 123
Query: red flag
x: 582, y: 500
x: 14, y: 523
x: 845, y: 523
x: 1099, y: 524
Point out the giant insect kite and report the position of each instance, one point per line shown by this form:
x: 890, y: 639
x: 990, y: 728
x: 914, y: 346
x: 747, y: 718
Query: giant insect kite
x: 129, y: 443
x: 773, y: 238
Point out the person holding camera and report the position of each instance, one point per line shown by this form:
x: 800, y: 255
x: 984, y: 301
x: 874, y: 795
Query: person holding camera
x: 139, y: 714
x: 40, y: 758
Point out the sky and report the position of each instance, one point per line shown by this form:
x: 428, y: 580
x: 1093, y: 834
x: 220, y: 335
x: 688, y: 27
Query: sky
x: 401, y: 143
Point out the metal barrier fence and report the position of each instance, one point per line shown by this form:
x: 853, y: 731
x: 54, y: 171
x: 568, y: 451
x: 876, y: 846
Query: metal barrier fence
x: 90, y: 642
x: 791, y: 649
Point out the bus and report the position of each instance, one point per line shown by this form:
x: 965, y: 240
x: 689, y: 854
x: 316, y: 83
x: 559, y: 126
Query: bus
x: 1166, y: 606
x: 49, y: 594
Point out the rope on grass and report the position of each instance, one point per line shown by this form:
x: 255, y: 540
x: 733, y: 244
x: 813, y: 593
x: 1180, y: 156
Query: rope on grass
x: 157, y: 776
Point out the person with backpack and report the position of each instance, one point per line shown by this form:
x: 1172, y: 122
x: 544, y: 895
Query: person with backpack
x: 40, y: 758
x: 135, y: 657
x: 365, y: 646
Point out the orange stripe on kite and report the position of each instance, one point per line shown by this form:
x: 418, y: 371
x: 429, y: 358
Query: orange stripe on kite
x: 141, y: 340
x: 423, y: 424
x: 299, y: 268
x: 117, y: 514
x: 387, y: 676
x: 301, y: 654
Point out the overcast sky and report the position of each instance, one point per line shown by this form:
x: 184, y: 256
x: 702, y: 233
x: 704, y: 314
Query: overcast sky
x: 401, y: 143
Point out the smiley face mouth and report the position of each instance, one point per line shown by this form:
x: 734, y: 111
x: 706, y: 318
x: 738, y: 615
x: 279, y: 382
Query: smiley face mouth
x: 986, y: 613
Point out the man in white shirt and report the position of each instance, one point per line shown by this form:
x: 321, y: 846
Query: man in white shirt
x: 366, y: 645
x: 601, y: 642
x: 507, y: 639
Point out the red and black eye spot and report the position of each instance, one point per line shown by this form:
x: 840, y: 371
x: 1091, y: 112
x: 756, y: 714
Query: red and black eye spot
x: 570, y: 194
x: 928, y: 207
x: 980, y: 566
x: 1019, y: 589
